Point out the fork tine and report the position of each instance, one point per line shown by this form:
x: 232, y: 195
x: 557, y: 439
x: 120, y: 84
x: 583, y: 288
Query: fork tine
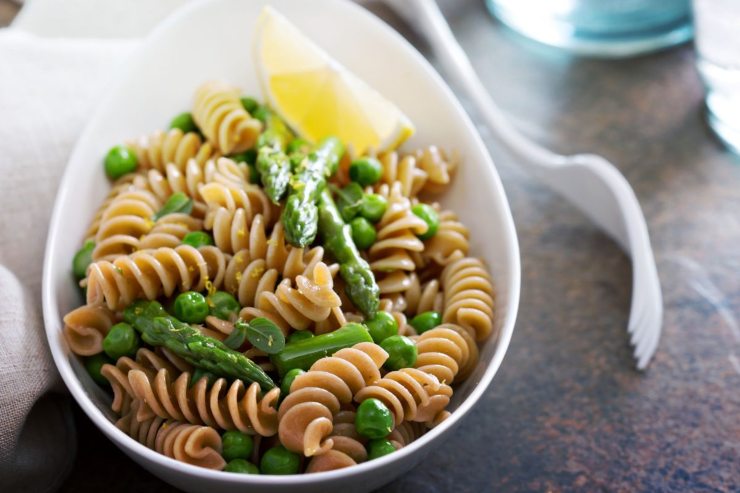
x: 639, y: 310
x: 647, y: 344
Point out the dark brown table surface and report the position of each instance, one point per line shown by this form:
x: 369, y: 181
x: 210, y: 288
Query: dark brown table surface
x: 568, y: 411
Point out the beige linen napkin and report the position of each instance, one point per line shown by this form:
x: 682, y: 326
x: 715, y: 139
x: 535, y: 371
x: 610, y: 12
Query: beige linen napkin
x: 48, y: 87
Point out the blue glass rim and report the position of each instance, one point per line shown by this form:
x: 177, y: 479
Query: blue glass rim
x: 615, y: 44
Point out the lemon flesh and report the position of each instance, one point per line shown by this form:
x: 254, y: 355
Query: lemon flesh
x: 317, y: 96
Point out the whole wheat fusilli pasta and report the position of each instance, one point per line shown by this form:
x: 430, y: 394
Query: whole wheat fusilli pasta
x: 220, y: 404
x: 469, y: 296
x: 150, y: 274
x: 306, y: 415
x: 159, y: 149
x: 219, y: 114
x: 86, y: 326
x: 193, y: 444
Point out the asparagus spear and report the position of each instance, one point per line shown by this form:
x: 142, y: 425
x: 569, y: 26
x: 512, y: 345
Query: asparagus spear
x: 160, y: 329
x: 303, y: 354
x: 300, y: 216
x: 274, y: 170
x: 337, y: 239
x: 272, y: 162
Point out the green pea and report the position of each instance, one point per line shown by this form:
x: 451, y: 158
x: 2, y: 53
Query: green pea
x: 223, y: 305
x: 401, y: 352
x: 236, y: 445
x: 241, y: 466
x: 426, y: 321
x: 93, y: 364
x: 373, y: 207
x: 299, y: 335
x: 249, y: 104
x: 373, y: 419
x: 119, y: 161
x: 121, y: 340
x: 248, y: 157
x: 378, y: 448
x: 430, y: 216
x: 381, y: 326
x: 185, y: 122
x: 197, y: 239
x: 298, y: 145
x: 365, y: 171
x: 191, y: 307
x: 363, y: 232
x: 349, y: 200
x: 279, y: 460
x: 82, y: 259
x: 288, y: 380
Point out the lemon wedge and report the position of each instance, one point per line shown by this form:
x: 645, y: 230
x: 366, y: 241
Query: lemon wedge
x: 319, y: 97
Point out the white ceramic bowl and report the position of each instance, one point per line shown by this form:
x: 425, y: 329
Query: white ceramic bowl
x: 212, y: 40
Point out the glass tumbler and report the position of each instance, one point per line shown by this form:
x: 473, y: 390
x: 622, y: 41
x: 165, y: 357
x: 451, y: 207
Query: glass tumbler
x: 717, y: 24
x: 600, y: 28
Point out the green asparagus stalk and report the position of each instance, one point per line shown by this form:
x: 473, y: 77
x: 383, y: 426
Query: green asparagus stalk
x: 160, y: 329
x: 272, y: 162
x: 300, y: 216
x: 274, y: 171
x: 302, y: 354
x: 336, y: 237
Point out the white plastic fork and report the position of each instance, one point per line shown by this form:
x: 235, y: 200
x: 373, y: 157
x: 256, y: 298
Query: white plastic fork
x: 588, y: 181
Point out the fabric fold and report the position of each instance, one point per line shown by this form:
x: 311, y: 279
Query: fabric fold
x: 48, y: 89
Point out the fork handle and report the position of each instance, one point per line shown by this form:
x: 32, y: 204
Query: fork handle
x: 432, y: 24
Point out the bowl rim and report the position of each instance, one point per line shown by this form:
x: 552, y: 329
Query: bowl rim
x: 131, y: 446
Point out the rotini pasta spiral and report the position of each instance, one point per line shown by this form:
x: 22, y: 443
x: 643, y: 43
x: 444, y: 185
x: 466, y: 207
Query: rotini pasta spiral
x: 451, y: 241
x: 469, y: 296
x: 86, y: 326
x: 250, y: 198
x: 423, y: 298
x: 410, y: 394
x: 447, y: 352
x: 312, y: 300
x: 247, y: 278
x: 159, y: 149
x: 221, y: 405
x: 193, y: 444
x: 219, y: 114
x: 146, y: 360
x: 403, y: 170
x: 169, y: 231
x: 405, y: 433
x: 396, y: 239
x: 233, y: 232
x: 258, y: 267
x: 123, y: 184
x: 188, y: 179
x: 348, y: 449
x: 306, y: 414
x: 153, y: 273
x: 125, y: 220
x: 290, y: 261
x: 438, y: 166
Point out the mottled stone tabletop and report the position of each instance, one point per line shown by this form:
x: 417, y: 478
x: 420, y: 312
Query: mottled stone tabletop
x: 568, y: 411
